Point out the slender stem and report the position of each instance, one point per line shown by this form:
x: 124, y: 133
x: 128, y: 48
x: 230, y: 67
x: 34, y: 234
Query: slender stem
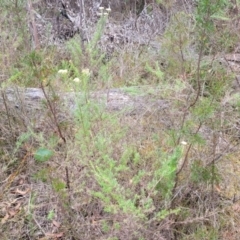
x: 53, y: 114
x: 8, y: 115
x: 33, y: 23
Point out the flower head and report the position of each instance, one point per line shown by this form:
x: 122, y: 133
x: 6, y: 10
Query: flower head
x: 108, y: 9
x: 183, y: 143
x: 76, y: 80
x: 86, y: 72
x: 63, y: 71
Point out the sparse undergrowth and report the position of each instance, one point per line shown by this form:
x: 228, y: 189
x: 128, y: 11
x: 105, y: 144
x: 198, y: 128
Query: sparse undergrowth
x: 158, y: 172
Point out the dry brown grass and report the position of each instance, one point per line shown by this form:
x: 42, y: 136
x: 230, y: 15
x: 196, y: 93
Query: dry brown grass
x: 55, y: 200
x: 105, y: 179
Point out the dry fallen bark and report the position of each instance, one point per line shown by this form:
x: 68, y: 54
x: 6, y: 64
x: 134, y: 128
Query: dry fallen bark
x: 33, y: 100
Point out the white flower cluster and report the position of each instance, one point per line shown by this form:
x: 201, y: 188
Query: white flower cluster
x: 103, y: 11
x: 62, y: 71
x: 85, y: 73
x: 77, y: 80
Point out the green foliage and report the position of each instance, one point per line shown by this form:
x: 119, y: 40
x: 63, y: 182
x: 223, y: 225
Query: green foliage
x: 204, y: 109
x: 43, y: 154
x: 24, y: 137
x: 92, y: 47
x: 89, y: 57
x: 14, y: 34
x: 18, y: 4
x: 51, y: 215
x: 105, y: 226
x: 164, y: 178
x: 204, y: 233
x: 215, y: 80
x: 126, y: 168
x: 34, y: 68
x: 58, y: 185
x: 157, y: 71
x: 42, y: 175
x: 201, y: 174
x: 165, y: 3
x: 207, y: 9
x: 112, y: 193
x: 74, y: 47
x: 176, y: 44
x: 163, y: 214
x: 208, y: 14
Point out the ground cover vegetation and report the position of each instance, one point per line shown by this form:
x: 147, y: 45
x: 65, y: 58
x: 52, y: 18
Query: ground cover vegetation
x: 165, y: 167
